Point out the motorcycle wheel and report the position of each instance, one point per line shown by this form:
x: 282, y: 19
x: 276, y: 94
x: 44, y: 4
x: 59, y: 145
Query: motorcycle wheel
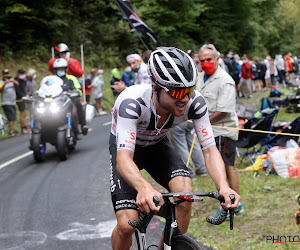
x: 61, y: 145
x: 38, y: 147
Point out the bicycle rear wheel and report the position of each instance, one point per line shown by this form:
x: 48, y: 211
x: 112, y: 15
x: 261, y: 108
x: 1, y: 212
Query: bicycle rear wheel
x: 184, y: 242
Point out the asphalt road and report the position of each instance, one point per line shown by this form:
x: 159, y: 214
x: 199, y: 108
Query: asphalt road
x: 58, y: 205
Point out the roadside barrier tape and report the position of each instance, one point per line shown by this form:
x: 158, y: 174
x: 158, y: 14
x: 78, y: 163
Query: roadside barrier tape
x: 255, y: 131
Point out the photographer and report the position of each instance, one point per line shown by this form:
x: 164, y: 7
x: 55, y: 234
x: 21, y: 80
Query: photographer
x: 7, y: 88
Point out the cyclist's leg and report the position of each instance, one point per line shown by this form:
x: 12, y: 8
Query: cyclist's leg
x: 169, y: 171
x: 121, y: 237
x: 183, y: 210
x: 123, y: 199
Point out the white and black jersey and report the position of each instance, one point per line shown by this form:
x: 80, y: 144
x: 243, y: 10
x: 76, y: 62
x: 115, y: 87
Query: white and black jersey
x: 133, y: 119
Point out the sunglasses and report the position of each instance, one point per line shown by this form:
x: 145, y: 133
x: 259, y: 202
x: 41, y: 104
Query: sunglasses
x: 178, y: 93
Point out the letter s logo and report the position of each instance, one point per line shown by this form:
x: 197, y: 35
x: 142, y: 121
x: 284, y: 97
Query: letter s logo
x: 132, y: 136
x: 204, y: 132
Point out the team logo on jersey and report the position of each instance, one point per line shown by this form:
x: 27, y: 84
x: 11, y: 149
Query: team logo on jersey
x: 130, y: 109
x: 195, y: 108
x: 132, y: 134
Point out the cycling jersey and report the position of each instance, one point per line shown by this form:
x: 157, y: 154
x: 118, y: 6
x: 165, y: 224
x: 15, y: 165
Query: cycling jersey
x: 134, y: 115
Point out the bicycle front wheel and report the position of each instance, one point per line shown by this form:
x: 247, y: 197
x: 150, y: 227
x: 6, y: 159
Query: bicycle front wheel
x: 184, y: 242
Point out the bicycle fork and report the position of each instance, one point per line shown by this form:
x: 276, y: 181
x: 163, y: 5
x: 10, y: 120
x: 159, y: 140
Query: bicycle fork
x: 171, y: 227
x: 141, y: 240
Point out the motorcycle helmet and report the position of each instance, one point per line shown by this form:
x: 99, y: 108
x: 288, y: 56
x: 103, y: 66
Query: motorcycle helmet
x: 60, y: 63
x: 171, y: 67
x: 62, y: 47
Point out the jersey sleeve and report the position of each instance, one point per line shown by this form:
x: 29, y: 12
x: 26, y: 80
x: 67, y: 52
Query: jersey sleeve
x: 198, y: 113
x: 128, y: 115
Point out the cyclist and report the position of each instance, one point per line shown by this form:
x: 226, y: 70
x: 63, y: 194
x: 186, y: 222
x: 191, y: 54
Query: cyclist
x: 60, y: 67
x: 141, y: 118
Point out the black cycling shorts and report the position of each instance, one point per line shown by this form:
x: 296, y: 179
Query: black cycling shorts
x: 161, y: 161
x: 227, y: 149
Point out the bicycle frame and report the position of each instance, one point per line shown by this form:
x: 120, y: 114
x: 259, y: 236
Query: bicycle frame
x: 171, y: 227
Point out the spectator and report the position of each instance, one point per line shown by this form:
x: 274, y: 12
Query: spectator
x: 115, y: 77
x: 21, y: 92
x: 97, y: 84
x: 237, y: 73
x: 246, y: 77
x: 128, y: 77
x: 146, y: 55
x: 9, y: 99
x: 288, y: 66
x: 182, y: 137
x: 279, y: 62
x: 218, y: 89
x: 140, y: 69
x: 259, y: 70
x: 222, y: 63
x: 194, y: 55
x: 62, y: 51
x: 88, y: 84
x: 30, y: 83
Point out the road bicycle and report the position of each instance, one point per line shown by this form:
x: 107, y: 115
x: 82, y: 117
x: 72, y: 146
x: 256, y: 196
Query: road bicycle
x: 171, y: 237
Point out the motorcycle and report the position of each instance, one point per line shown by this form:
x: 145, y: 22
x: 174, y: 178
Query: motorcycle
x: 51, y: 119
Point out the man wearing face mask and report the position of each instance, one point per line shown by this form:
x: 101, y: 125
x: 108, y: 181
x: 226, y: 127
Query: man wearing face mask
x: 21, y: 92
x: 140, y: 69
x: 30, y: 83
x: 218, y: 90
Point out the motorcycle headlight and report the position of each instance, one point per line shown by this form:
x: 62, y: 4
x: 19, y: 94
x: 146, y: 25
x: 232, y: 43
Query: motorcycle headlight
x: 41, y: 109
x: 54, y: 108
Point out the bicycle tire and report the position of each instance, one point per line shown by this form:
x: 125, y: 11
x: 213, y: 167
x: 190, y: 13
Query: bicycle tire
x: 184, y: 242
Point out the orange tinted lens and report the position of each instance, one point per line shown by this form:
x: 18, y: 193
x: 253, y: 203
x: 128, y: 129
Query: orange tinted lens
x: 180, y: 93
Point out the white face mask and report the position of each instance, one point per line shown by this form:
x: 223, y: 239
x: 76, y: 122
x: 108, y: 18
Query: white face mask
x: 22, y: 77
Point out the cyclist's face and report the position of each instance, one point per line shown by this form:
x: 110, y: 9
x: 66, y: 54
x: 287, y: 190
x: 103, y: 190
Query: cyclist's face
x: 173, y: 105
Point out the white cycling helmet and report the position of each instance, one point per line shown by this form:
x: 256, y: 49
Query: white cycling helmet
x: 60, y: 63
x: 171, y: 67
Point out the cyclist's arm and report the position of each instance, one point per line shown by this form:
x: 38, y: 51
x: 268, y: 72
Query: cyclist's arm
x: 213, y: 160
x: 128, y: 116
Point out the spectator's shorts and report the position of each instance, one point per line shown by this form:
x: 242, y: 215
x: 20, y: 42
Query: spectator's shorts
x: 227, y: 150
x: 161, y: 161
x: 21, y: 105
x: 10, y: 112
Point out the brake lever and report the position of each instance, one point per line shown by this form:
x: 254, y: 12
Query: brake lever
x: 231, y: 211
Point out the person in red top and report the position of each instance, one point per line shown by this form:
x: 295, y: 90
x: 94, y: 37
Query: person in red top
x: 246, y: 77
x: 62, y: 51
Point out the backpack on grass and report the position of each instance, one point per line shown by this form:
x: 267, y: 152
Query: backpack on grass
x: 265, y: 103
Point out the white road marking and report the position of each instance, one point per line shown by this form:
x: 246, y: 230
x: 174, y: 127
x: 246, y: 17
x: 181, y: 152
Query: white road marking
x: 3, y: 165
x: 107, y: 123
x: 22, y: 240
x: 88, y: 232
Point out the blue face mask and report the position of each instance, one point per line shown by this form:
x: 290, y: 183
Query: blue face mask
x: 60, y: 73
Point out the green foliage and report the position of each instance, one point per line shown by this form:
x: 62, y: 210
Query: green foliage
x: 254, y: 27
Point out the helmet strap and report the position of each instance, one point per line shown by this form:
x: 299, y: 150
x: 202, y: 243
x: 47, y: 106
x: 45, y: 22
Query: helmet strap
x: 158, y: 90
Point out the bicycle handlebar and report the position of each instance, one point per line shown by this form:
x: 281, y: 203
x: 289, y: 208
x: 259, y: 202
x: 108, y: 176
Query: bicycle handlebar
x: 144, y: 219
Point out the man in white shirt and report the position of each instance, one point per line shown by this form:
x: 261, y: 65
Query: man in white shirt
x: 140, y: 69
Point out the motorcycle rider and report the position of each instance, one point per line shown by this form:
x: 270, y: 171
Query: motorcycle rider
x: 70, y: 83
x: 62, y: 51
